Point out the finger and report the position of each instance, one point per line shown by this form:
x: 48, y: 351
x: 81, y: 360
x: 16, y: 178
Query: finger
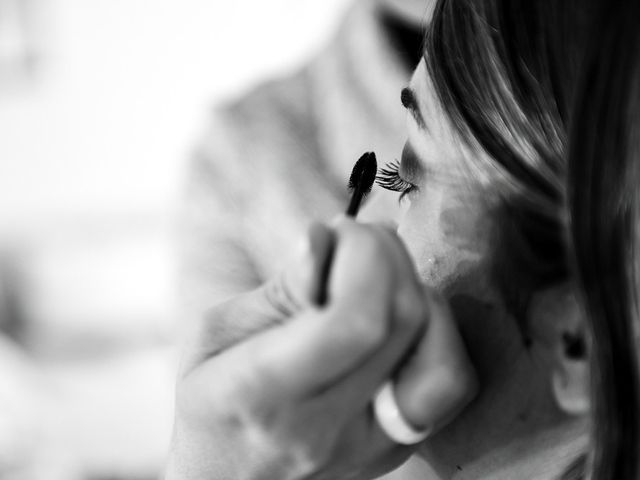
x: 408, y: 322
x: 238, y: 318
x: 224, y: 326
x: 438, y: 381
x: 405, y: 265
x: 317, y: 349
x: 321, y: 346
x: 301, y: 283
x: 361, y: 278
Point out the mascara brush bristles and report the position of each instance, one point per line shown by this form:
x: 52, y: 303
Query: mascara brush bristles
x: 361, y: 180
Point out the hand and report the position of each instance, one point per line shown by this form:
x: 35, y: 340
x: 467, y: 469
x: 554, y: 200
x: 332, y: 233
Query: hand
x: 287, y: 396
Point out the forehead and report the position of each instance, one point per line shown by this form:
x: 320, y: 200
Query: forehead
x: 445, y: 148
x: 450, y: 221
x: 434, y: 140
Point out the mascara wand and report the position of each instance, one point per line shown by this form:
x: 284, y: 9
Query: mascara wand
x: 361, y: 180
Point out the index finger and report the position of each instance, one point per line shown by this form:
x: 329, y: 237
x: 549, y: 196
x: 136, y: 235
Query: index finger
x: 323, y: 345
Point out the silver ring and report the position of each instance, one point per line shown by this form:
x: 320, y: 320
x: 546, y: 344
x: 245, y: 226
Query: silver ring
x: 391, y: 420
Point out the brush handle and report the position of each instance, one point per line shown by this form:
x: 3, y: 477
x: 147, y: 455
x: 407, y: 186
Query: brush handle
x: 323, y: 249
x: 322, y: 241
x: 354, y: 203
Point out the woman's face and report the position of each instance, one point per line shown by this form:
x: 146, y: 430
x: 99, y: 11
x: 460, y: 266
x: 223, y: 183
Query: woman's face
x: 449, y: 224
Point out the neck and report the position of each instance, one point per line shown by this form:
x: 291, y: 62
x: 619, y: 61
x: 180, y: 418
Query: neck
x: 546, y: 455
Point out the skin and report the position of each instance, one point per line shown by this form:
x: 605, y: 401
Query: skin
x: 291, y: 382
x: 514, y: 428
x: 275, y: 386
x: 314, y: 421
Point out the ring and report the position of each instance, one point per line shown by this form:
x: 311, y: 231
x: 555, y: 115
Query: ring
x: 391, y: 420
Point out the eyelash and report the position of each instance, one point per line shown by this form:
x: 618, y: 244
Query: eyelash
x: 389, y: 178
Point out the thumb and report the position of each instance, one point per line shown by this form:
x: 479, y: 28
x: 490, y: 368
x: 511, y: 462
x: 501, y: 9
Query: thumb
x: 302, y: 283
x: 272, y: 304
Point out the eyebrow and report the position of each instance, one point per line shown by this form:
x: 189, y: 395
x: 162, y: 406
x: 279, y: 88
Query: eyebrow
x: 408, y: 99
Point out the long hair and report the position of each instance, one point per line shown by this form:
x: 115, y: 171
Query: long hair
x: 508, y: 74
x: 604, y: 190
x: 505, y: 72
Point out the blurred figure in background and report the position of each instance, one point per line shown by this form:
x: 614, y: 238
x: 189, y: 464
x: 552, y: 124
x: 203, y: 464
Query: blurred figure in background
x: 281, y: 155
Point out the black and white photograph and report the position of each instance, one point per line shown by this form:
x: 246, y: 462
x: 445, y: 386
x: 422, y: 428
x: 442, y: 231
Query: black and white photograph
x: 319, y: 240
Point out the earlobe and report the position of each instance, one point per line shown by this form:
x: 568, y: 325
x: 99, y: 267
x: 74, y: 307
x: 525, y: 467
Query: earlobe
x: 558, y: 323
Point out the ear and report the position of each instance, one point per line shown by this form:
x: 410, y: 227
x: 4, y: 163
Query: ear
x: 556, y: 321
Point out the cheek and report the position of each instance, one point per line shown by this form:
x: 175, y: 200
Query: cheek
x: 446, y: 234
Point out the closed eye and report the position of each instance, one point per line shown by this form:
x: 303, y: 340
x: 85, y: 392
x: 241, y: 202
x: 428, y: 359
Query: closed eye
x: 389, y: 178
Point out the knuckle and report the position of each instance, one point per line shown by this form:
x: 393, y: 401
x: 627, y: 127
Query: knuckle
x: 278, y: 431
x: 358, y: 329
x: 369, y: 331
x: 304, y: 454
x: 224, y: 405
x: 234, y: 390
x: 307, y: 458
x: 231, y: 413
x: 223, y: 326
x: 281, y: 297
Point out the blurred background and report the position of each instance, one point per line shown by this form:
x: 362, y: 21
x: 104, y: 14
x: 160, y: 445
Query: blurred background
x: 100, y: 105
